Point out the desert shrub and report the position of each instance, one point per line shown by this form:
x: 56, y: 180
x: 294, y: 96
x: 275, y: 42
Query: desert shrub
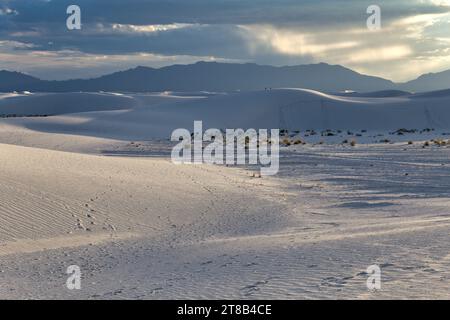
x: 440, y: 142
x: 403, y: 131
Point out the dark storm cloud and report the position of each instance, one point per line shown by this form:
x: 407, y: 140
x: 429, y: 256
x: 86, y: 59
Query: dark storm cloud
x: 213, y: 26
x: 143, y: 12
x: 43, y: 21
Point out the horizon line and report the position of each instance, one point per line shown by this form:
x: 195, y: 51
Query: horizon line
x: 218, y: 62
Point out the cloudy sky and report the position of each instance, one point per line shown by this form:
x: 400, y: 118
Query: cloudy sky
x: 118, y: 34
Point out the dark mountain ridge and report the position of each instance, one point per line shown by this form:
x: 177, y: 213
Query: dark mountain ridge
x: 213, y: 76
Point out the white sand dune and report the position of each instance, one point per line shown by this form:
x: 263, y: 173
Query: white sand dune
x: 145, y: 228
x: 50, y: 194
x: 162, y: 231
x: 145, y: 117
x: 54, y: 103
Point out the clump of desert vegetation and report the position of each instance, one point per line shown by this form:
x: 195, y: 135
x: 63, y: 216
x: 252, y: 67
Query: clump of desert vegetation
x: 24, y: 115
x: 440, y: 142
x: 328, y: 133
x: 403, y: 131
x: 310, y: 132
x: 288, y: 138
x: 286, y: 142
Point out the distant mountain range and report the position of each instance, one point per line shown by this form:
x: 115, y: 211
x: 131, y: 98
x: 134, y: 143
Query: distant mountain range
x: 213, y: 76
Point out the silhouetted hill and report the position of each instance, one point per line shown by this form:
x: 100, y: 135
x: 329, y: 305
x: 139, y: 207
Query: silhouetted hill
x: 429, y: 82
x: 16, y: 81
